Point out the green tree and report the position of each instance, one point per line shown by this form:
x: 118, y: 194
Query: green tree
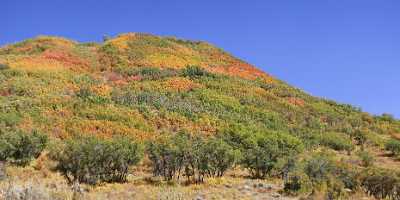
x: 381, y: 183
x: 216, y: 157
x: 92, y: 160
x: 20, y: 148
x: 262, y: 155
x: 193, y: 157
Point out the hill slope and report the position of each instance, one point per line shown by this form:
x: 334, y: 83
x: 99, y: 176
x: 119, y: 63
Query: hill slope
x: 139, y: 84
x: 143, y: 86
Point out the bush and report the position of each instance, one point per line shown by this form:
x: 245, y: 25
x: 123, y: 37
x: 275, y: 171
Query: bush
x: 295, y: 180
x: 360, y: 137
x: 3, y: 66
x: 335, y: 190
x: 148, y: 73
x: 318, y: 169
x: 393, y: 146
x: 20, y: 148
x: 189, y: 156
x: 167, y: 157
x: 367, y: 160
x: 217, y: 157
x: 346, y: 175
x: 337, y: 141
x: 263, y: 151
x: 293, y: 185
x: 381, y: 184
x: 88, y: 95
x: 91, y: 160
x: 110, y: 56
x: 194, y: 71
x: 10, y: 119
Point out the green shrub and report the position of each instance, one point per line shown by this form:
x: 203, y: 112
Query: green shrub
x: 87, y: 95
x: 148, y: 73
x: 217, y: 157
x: 194, y: 71
x: 367, y: 160
x: 192, y: 157
x: 381, y: 183
x: 92, y: 160
x: 167, y: 156
x: 293, y: 185
x: 10, y: 119
x: 393, y: 146
x: 346, y: 175
x: 3, y: 66
x: 360, y: 137
x: 110, y: 56
x: 318, y: 169
x: 294, y: 179
x: 336, y: 141
x: 264, y: 151
x: 21, y: 148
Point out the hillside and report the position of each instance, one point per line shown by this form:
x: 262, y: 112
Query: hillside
x: 142, y: 86
x: 132, y: 84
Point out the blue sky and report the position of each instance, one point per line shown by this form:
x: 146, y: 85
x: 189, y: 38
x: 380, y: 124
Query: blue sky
x: 345, y: 50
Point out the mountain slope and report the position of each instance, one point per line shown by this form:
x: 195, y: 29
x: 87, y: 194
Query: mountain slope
x: 141, y: 85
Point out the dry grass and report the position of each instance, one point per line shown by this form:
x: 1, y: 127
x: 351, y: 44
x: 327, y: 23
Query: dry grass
x: 40, y: 183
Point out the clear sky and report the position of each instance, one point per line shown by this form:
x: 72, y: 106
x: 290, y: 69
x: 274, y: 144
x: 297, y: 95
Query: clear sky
x: 345, y: 50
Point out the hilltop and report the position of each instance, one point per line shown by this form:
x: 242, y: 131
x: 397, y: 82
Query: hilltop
x: 142, y: 86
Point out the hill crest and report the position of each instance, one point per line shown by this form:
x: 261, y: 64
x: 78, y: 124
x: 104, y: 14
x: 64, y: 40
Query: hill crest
x: 128, y: 50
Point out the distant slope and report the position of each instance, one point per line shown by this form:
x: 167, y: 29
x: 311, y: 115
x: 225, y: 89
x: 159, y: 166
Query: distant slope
x: 141, y: 85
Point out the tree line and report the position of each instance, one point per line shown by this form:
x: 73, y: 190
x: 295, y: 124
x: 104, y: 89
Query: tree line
x: 193, y: 158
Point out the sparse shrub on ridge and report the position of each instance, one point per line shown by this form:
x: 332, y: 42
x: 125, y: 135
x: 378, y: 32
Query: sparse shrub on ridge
x: 110, y: 57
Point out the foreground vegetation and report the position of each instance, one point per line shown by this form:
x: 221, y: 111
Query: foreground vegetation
x: 188, y: 112
x: 195, y: 158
